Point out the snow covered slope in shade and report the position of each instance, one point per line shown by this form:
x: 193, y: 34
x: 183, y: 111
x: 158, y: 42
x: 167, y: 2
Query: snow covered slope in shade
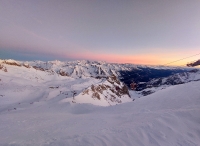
x: 168, y: 117
x: 178, y: 78
x: 161, y: 83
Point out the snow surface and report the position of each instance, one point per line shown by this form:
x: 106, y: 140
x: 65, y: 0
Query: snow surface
x: 167, y: 117
x: 35, y: 109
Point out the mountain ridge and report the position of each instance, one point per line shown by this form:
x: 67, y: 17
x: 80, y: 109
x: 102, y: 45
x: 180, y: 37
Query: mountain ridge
x: 80, y: 71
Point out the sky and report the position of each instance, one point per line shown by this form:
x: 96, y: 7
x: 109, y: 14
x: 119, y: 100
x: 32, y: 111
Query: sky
x: 123, y: 31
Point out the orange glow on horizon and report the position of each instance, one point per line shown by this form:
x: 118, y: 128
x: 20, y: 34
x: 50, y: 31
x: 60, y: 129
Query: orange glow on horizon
x: 146, y: 59
x: 143, y: 59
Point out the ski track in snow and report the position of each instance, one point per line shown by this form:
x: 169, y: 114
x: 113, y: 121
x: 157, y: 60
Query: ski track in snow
x: 32, y: 113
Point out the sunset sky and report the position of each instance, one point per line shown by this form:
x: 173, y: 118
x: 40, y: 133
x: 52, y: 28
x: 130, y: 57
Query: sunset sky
x: 124, y: 31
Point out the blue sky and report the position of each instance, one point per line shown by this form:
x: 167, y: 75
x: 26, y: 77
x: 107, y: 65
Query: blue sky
x: 133, y: 31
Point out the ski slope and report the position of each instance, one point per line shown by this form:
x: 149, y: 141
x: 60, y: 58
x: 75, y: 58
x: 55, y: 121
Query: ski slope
x: 167, y: 117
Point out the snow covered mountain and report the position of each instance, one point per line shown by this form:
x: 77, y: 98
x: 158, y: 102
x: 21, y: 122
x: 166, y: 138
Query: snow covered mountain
x: 77, y: 69
x: 109, y: 92
x: 76, y: 82
x: 161, y: 83
x: 95, y: 77
x: 40, y: 105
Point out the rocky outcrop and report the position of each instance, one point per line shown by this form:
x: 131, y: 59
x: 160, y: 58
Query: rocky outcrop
x: 62, y: 73
x: 193, y: 64
x: 109, y: 92
x: 39, y: 68
x: 26, y: 65
x: 3, y: 68
x: 11, y: 62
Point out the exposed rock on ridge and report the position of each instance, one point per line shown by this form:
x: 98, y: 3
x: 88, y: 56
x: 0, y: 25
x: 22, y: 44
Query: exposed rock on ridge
x: 109, y: 92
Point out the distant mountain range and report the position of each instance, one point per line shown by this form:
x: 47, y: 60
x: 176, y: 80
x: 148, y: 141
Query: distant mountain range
x: 126, y: 72
x: 95, y: 82
x: 163, y: 82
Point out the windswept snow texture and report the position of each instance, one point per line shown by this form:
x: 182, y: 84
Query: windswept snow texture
x: 168, y: 117
x: 36, y: 108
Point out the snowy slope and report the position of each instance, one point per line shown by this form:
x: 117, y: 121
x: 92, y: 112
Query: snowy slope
x: 21, y: 80
x: 167, y: 117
